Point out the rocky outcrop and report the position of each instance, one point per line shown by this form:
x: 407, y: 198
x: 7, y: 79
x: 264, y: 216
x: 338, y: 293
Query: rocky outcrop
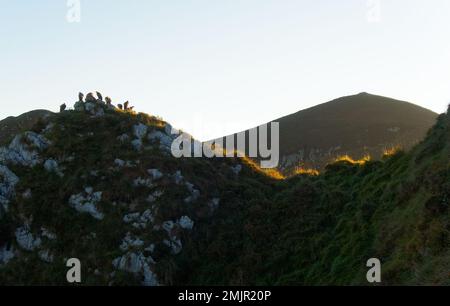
x: 24, y: 150
x: 26, y: 240
x: 6, y: 254
x: 138, y: 220
x: 51, y: 165
x: 186, y: 223
x: 8, y: 181
x: 86, y: 202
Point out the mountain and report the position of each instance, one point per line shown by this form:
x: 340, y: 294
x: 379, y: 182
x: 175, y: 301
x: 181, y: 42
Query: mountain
x: 14, y: 125
x: 99, y: 184
x: 356, y: 126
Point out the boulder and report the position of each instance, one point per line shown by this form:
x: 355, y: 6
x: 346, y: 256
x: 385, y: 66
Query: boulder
x: 86, y: 203
x: 26, y: 240
x: 140, y: 130
x: 186, y: 223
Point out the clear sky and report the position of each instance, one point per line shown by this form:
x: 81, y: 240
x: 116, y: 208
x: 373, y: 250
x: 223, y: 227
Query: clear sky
x: 213, y: 67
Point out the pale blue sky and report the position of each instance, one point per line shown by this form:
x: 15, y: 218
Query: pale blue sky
x: 227, y: 64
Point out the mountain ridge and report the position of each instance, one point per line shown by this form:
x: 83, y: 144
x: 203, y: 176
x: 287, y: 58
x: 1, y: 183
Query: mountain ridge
x: 355, y: 125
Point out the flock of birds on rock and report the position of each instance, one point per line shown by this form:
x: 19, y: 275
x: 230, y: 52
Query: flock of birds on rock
x: 90, y: 98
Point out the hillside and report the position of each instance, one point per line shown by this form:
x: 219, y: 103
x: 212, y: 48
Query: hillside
x: 357, y: 126
x: 321, y: 230
x: 13, y: 125
x: 99, y: 184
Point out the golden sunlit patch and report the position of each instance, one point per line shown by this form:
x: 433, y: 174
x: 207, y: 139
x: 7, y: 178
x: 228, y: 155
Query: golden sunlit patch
x: 272, y: 173
x: 391, y: 151
x: 350, y: 160
x: 301, y: 170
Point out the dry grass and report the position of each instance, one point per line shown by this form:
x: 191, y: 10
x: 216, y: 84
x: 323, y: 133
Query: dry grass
x: 352, y: 161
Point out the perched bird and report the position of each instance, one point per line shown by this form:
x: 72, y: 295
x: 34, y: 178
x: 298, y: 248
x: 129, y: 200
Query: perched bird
x: 99, y: 96
x: 90, y: 97
x: 80, y: 97
x: 125, y: 105
x: 131, y: 108
x: 120, y: 106
x: 108, y: 100
x: 62, y: 107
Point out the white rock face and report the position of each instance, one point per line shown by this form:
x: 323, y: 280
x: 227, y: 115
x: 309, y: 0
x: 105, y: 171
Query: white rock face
x: 143, y: 182
x: 119, y: 162
x: 137, y: 263
x: 155, y: 174
x: 129, y: 243
x: 168, y: 226
x: 26, y: 240
x: 86, y: 203
x: 174, y: 244
x: 47, y: 234
x: 137, y: 144
x: 186, y: 223
x: 6, y: 254
x: 131, y: 217
x: 8, y: 181
x: 165, y: 141
x: 139, y: 220
x: 122, y: 163
x: 38, y: 141
x: 23, y: 150
x: 140, y: 130
x: 52, y: 166
x: 150, y: 279
x: 154, y: 196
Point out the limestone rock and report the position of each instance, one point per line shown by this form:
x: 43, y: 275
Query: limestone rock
x: 86, y: 203
x: 186, y: 223
x: 26, y: 240
x: 140, y: 130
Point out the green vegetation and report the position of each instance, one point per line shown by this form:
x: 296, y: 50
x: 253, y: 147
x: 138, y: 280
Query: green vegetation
x: 321, y: 230
x: 307, y: 229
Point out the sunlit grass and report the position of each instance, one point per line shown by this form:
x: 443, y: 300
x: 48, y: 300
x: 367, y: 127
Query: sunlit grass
x: 391, y: 151
x: 306, y: 171
x: 349, y: 159
x: 272, y: 172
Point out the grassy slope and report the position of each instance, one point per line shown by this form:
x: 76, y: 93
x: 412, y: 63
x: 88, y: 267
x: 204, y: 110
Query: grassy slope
x: 322, y: 230
x: 93, y: 145
x: 305, y: 230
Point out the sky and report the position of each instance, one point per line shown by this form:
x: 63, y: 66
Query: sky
x: 214, y: 67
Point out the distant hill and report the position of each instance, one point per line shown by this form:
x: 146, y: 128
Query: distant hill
x: 354, y: 125
x: 11, y: 126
